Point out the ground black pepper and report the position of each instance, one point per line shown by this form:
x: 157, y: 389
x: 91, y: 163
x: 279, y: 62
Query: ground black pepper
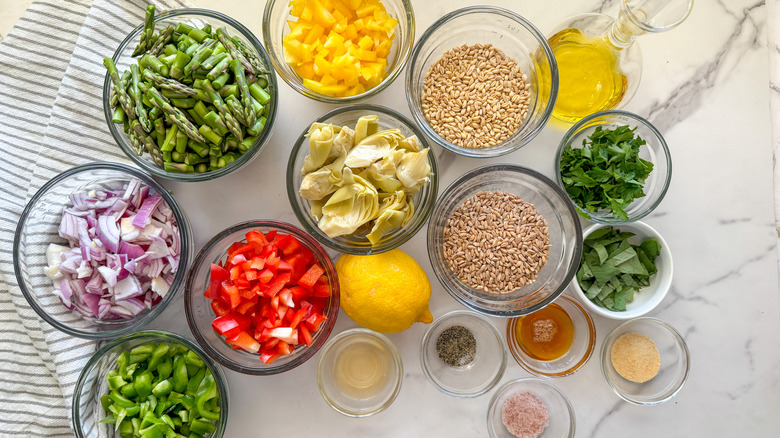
x: 456, y: 346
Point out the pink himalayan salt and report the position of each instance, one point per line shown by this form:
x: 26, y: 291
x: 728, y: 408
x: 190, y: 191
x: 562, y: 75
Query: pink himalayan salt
x: 524, y: 415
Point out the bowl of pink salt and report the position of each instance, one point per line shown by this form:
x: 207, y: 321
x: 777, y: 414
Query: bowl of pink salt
x: 530, y: 408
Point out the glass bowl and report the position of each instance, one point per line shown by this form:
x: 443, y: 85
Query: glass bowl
x: 367, y: 349
x: 654, y: 151
x: 198, y: 18
x: 200, y: 314
x: 87, y: 410
x: 581, y: 349
x: 507, y: 31
x: 357, y: 243
x: 675, y: 363
x: 275, y: 27
x: 474, y: 378
x: 563, y: 227
x: 38, y: 226
x: 558, y: 406
x: 647, y: 298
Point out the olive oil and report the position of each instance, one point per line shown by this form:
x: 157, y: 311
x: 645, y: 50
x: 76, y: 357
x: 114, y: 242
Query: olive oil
x: 362, y: 369
x: 546, y: 334
x: 589, y: 76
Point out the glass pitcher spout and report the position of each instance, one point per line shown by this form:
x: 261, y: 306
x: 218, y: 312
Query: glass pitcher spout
x: 637, y: 17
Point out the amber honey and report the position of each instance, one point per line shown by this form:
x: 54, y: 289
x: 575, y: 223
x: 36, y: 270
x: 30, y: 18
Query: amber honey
x: 546, y: 334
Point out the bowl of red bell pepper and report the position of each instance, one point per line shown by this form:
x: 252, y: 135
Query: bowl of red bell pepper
x: 262, y: 297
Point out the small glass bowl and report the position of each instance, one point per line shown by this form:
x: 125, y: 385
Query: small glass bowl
x: 647, y: 298
x: 87, y: 410
x: 200, y: 314
x: 655, y: 151
x: 564, y: 230
x: 358, y: 243
x: 197, y: 18
x: 38, y: 226
x: 507, y: 31
x: 580, y: 352
x: 359, y: 405
x: 472, y: 379
x: 275, y: 27
x: 558, y: 406
x: 675, y: 363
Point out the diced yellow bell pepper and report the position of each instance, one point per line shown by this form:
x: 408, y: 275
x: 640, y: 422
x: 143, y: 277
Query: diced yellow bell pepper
x: 322, y: 15
x: 314, y: 34
x: 365, y: 10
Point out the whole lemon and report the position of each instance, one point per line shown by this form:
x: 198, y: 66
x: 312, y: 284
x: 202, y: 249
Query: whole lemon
x: 385, y: 292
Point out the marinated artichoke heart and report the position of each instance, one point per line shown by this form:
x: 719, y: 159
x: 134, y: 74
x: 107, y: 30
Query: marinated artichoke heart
x: 396, y: 211
x: 364, y: 179
x: 355, y: 203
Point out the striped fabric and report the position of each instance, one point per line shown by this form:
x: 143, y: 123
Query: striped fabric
x: 51, y: 119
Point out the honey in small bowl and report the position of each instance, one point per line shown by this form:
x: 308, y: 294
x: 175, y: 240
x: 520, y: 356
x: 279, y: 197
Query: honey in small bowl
x: 546, y: 334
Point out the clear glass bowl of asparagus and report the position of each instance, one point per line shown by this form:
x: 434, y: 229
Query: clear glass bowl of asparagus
x: 189, y: 95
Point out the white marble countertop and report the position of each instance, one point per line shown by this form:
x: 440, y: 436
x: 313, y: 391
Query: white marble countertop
x: 705, y: 86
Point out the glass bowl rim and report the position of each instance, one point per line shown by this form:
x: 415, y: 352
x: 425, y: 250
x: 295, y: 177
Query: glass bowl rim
x: 514, y: 344
x: 298, y: 86
x: 495, y: 150
x: 425, y: 210
x: 397, y: 360
x: 189, y: 291
x: 184, y: 236
x: 426, y: 339
x: 441, y: 271
x: 155, y: 336
x: 580, y: 126
x: 533, y: 380
x: 609, y: 340
x: 262, y: 139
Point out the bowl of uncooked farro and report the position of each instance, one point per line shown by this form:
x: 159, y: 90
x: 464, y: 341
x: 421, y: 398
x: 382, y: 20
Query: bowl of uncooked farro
x: 482, y: 81
x: 504, y: 240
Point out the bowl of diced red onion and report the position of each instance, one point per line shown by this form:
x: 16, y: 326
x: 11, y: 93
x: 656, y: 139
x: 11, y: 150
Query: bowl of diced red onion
x: 101, y: 250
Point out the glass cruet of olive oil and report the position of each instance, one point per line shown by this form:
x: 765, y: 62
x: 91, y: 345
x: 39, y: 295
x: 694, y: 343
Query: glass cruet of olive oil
x: 599, y: 66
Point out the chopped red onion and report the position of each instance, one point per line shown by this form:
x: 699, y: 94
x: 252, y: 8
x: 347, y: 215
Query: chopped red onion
x: 124, y: 248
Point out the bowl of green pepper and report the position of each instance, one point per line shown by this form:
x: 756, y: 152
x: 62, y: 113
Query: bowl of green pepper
x: 615, y: 166
x: 151, y: 384
x: 189, y: 95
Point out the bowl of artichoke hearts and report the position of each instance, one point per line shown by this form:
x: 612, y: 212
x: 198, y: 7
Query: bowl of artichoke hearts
x: 362, y: 179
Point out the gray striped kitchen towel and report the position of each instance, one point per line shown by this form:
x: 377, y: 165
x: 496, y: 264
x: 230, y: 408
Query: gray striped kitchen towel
x: 51, y: 119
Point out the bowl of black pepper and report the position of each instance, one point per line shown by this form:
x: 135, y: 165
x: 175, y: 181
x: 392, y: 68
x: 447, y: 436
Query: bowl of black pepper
x: 462, y: 354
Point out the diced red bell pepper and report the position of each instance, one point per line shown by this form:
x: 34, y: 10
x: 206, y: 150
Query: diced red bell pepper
x: 285, y: 348
x: 271, y: 235
x: 246, y: 293
x: 277, y: 284
x: 220, y: 307
x: 226, y: 326
x: 269, y: 356
x: 265, y: 276
x: 250, y: 275
x: 244, y: 341
x: 242, y: 283
x: 272, y: 262
x: 320, y: 290
x: 284, y: 266
x: 285, y: 296
x: 235, y: 272
x: 257, y: 263
x: 296, y: 317
x: 304, y: 334
x: 245, y: 307
x: 256, y: 239
x: 311, y: 276
x: 315, y: 320
x: 218, y: 275
x: 288, y: 244
x: 243, y: 248
x: 237, y: 259
x: 299, y: 293
x: 230, y: 294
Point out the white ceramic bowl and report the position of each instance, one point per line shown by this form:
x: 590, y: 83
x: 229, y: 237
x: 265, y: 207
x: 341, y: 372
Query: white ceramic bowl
x: 647, y: 298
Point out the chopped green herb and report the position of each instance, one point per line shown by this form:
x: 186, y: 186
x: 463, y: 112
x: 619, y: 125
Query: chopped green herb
x: 606, y: 173
x: 612, y: 269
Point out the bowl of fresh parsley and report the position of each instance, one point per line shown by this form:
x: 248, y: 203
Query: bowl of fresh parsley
x: 625, y: 270
x: 615, y: 166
